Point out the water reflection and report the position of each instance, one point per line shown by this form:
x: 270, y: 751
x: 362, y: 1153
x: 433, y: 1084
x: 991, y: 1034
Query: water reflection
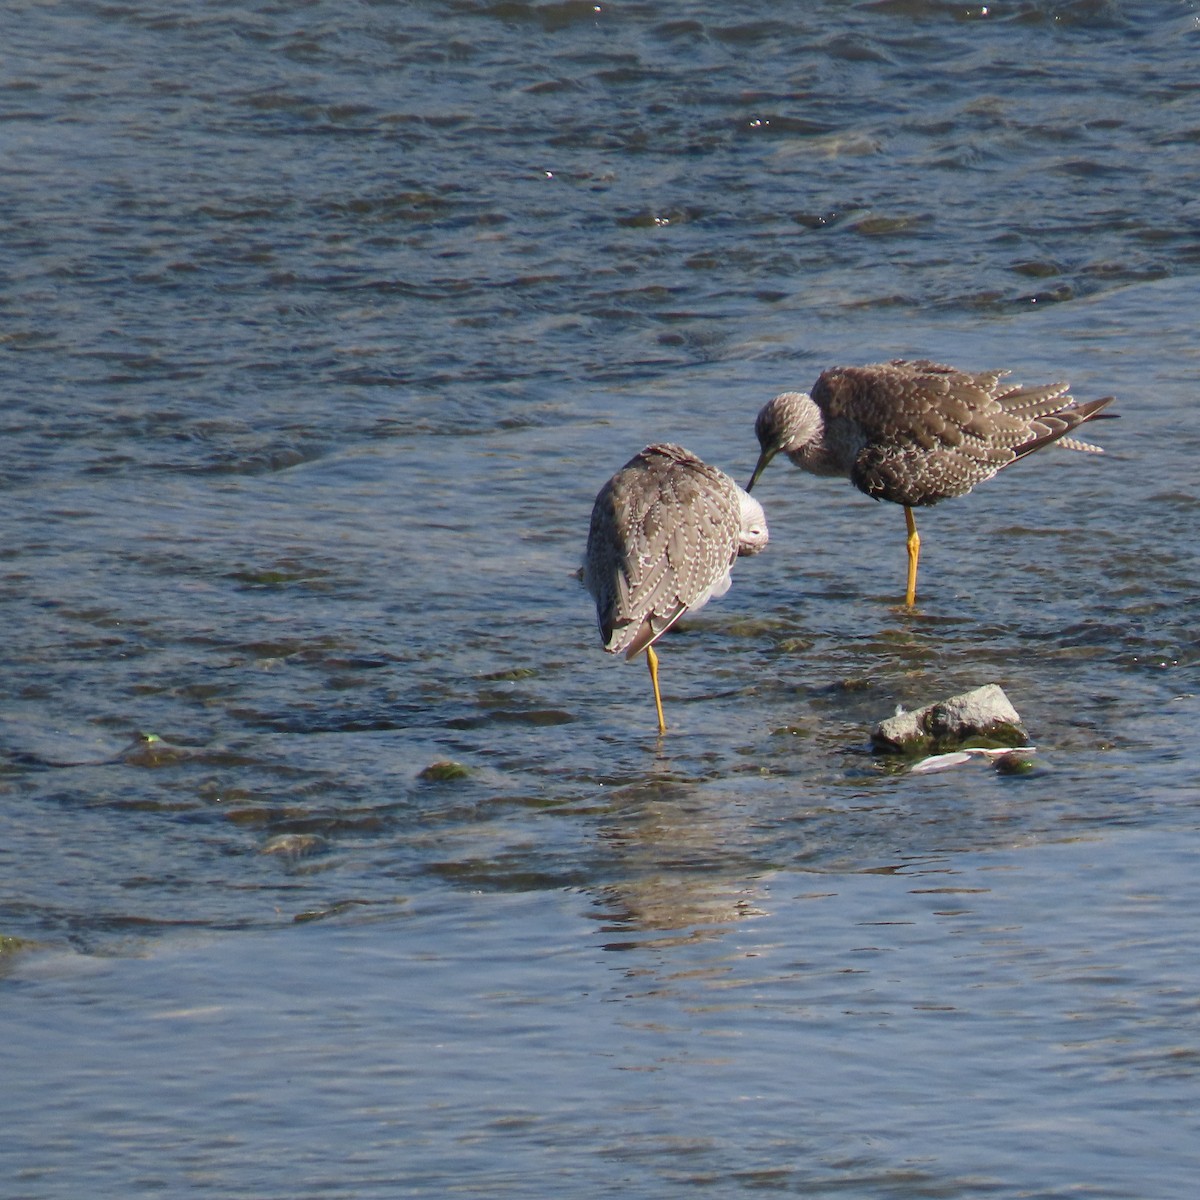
x: 673, y: 861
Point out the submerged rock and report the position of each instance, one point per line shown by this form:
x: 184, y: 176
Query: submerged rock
x: 11, y: 944
x: 444, y: 771
x: 983, y: 717
x: 294, y: 845
x: 149, y: 750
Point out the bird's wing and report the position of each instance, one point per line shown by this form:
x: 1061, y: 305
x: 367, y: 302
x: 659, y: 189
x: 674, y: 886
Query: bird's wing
x: 923, y: 431
x: 665, y: 531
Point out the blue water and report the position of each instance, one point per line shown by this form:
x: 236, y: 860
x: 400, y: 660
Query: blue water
x: 322, y: 325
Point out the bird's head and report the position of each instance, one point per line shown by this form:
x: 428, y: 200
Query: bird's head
x: 788, y: 423
x: 752, y: 536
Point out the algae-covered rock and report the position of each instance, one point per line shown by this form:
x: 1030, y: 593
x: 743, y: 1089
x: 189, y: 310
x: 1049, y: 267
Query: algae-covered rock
x: 149, y: 750
x: 11, y: 950
x: 1016, y: 762
x: 444, y: 771
x: 983, y: 716
x: 294, y: 845
x: 10, y: 945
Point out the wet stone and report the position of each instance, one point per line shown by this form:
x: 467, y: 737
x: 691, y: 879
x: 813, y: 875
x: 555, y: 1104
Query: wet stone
x: 294, y: 845
x: 1016, y: 763
x: 444, y: 771
x: 11, y: 944
x: 982, y: 717
x: 149, y: 750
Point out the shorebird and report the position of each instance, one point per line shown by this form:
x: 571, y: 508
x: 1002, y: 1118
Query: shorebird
x: 917, y: 432
x: 665, y: 532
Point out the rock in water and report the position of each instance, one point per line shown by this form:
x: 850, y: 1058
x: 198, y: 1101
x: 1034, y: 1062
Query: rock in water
x: 983, y: 716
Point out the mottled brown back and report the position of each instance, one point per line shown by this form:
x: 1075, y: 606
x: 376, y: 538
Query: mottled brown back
x: 664, y: 532
x: 916, y: 432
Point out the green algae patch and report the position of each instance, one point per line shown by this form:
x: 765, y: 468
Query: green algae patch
x: 10, y: 945
x: 1016, y: 763
x: 445, y: 771
x: 149, y: 750
x: 510, y: 675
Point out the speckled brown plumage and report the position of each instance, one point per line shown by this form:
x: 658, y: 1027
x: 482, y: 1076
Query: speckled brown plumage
x: 665, y: 532
x: 917, y: 432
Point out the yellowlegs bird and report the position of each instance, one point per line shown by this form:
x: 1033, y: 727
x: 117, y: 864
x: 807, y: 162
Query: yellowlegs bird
x: 917, y: 432
x: 665, y: 532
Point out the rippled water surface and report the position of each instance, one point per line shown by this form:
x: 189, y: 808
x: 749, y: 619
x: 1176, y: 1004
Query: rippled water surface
x: 336, y: 858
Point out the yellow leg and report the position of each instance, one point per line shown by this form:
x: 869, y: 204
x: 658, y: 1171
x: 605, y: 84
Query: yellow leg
x: 914, y: 553
x: 652, y: 660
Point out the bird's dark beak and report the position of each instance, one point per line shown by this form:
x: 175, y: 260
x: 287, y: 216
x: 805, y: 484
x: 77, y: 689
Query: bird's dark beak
x: 764, y: 458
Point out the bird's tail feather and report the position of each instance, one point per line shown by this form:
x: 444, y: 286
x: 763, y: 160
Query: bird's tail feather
x: 1070, y: 443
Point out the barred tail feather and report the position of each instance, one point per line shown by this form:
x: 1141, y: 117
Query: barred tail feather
x: 1070, y: 443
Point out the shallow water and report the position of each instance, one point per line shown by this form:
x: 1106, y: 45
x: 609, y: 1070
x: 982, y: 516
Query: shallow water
x: 322, y: 327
